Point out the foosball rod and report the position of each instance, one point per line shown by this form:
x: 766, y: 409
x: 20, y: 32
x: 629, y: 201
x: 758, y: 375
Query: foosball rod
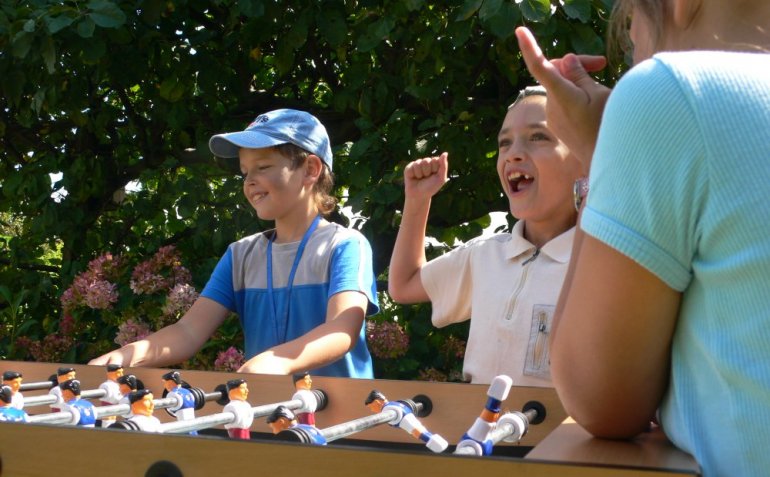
x: 31, y: 401
x: 421, y: 406
x: 63, y: 417
x: 34, y: 386
x: 511, y: 426
x: 220, y: 418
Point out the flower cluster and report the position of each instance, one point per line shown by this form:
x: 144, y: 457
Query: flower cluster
x: 180, y: 299
x: 387, y: 339
x: 453, y: 348
x: 54, y: 346
x: 229, y: 360
x: 93, y: 287
x: 162, y: 272
x: 130, y: 331
x: 97, y: 288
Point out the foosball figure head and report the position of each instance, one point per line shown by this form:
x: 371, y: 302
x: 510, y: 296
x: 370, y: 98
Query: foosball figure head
x: 65, y: 374
x: 9, y: 412
x: 6, y: 396
x: 375, y: 401
x: 171, y: 380
x: 70, y: 390
x: 237, y: 389
x: 127, y: 383
x: 13, y: 380
x: 280, y: 419
x: 142, y: 403
x: 114, y: 371
x: 302, y: 381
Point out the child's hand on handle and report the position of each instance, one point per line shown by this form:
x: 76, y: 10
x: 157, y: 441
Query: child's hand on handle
x: 575, y: 100
x: 423, y: 178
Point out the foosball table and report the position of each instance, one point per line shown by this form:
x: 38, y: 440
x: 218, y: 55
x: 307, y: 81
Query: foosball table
x: 545, y: 442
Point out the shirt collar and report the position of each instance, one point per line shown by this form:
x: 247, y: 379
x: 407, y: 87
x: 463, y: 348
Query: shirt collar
x: 559, y: 248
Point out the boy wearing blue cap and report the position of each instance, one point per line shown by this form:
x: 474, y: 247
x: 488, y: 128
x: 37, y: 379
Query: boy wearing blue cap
x: 303, y: 289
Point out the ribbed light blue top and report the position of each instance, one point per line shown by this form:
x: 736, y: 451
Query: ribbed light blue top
x: 680, y: 183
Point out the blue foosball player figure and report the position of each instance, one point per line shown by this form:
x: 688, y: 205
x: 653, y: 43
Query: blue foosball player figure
x: 83, y: 411
x: 185, y: 407
x: 9, y: 412
x: 406, y: 420
x: 282, y: 418
x: 477, y: 436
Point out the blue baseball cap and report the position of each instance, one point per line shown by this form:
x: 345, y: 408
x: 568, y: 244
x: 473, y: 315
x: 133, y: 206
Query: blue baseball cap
x: 277, y: 127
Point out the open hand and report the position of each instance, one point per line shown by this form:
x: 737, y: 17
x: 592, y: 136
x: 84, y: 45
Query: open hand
x: 575, y: 100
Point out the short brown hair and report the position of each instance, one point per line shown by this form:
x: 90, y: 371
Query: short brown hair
x: 324, y: 199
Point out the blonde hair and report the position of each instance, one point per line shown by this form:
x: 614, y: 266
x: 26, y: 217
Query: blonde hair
x: 322, y: 190
x: 654, y: 12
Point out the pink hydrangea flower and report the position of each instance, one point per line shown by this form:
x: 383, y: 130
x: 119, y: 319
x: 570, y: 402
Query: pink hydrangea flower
x: 229, y: 360
x: 431, y: 374
x: 180, y: 299
x: 387, y: 339
x: 131, y: 331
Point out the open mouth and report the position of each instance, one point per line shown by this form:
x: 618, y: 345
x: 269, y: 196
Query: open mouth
x: 518, y: 181
x: 258, y: 197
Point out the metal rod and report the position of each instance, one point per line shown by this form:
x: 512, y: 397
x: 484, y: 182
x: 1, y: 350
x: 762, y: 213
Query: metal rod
x: 36, y: 385
x: 50, y: 398
x: 219, y: 418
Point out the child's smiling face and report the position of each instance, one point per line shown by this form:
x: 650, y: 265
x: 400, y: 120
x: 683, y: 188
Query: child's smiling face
x: 270, y: 184
x: 536, y: 170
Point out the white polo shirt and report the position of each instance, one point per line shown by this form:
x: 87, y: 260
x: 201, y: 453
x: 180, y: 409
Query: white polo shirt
x: 509, y: 297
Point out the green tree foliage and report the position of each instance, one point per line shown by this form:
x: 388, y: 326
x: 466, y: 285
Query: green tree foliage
x: 107, y: 94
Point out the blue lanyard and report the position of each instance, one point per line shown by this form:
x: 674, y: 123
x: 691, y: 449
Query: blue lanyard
x: 290, y: 283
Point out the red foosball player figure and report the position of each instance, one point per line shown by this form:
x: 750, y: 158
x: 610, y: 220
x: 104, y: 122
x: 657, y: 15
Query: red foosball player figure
x: 406, y: 420
x: 142, y: 407
x: 9, y: 412
x: 13, y: 379
x: 303, y: 383
x: 238, y: 392
x: 83, y: 412
x: 185, y: 407
x: 477, y: 436
x: 62, y: 374
x: 282, y: 418
x: 112, y: 394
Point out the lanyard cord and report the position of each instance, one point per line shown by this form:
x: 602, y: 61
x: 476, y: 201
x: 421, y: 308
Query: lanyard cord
x: 290, y: 283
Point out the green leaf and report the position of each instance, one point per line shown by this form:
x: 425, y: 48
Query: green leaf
x: 250, y: 8
x: 586, y: 41
x: 106, y: 14
x: 13, y: 85
x: 579, y: 9
x: 21, y: 44
x: 502, y: 25
x: 536, y: 10
x: 86, y: 27
x: 469, y: 8
x: 93, y: 50
x: 489, y: 9
x: 29, y: 26
x: 56, y: 24
x: 376, y: 32
x: 332, y: 26
x: 48, y: 52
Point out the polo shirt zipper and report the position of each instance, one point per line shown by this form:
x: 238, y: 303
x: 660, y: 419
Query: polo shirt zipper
x: 516, y: 293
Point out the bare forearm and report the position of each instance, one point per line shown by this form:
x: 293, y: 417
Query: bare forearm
x: 408, y: 256
x: 320, y: 346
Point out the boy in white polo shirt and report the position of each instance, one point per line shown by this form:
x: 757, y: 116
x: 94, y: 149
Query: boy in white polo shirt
x: 507, y: 284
